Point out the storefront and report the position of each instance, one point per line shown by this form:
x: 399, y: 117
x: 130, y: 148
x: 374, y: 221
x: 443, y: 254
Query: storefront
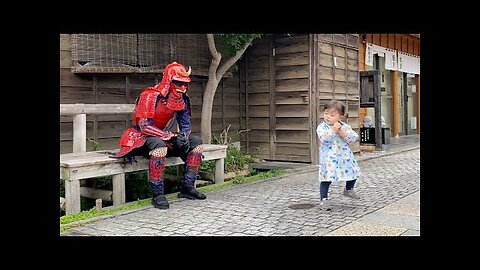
x: 397, y: 57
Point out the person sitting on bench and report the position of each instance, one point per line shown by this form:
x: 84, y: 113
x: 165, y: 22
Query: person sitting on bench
x: 155, y: 111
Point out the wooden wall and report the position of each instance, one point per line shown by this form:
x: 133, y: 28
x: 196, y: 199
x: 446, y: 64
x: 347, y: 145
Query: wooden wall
x: 276, y: 98
x: 125, y: 88
x: 255, y: 100
x: 292, y: 128
x: 336, y: 68
x: 400, y: 42
x: 287, y: 80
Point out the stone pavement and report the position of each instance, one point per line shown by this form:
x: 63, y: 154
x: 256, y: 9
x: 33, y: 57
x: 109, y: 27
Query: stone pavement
x: 398, y: 218
x: 288, y: 206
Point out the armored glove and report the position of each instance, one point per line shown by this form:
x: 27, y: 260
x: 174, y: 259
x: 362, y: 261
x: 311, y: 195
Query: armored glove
x: 182, y: 142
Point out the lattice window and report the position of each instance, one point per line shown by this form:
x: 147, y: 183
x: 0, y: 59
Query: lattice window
x: 139, y: 53
x: 104, y: 53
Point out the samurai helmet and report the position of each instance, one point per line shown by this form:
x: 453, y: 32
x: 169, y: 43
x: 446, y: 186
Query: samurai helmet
x: 173, y: 72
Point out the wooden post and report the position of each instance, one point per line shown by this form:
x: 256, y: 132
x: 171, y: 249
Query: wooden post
x: 404, y: 109
x: 80, y: 133
x: 72, y: 196
x: 62, y: 203
x: 271, y: 89
x: 247, y: 112
x: 378, y: 112
x: 219, y: 171
x: 118, y: 182
x: 313, y: 99
x: 417, y: 82
x: 378, y: 106
x: 362, y: 112
x: 98, y: 205
x: 395, y: 104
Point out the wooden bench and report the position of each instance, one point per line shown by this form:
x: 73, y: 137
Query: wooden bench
x: 81, y: 164
x: 77, y: 166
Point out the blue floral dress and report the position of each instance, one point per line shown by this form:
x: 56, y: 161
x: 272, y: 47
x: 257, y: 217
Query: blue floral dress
x: 336, y: 159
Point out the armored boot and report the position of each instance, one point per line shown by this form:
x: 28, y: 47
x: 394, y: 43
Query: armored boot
x: 192, y: 166
x: 156, y: 170
x: 159, y: 200
x: 191, y: 193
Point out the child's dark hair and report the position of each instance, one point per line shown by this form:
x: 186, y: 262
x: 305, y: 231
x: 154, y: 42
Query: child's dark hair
x: 338, y: 106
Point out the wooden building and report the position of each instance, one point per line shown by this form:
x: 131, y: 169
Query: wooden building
x: 287, y: 80
x: 400, y: 87
x: 275, y: 100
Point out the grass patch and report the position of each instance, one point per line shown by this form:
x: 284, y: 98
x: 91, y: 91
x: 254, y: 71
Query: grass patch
x: 237, y: 180
x: 94, y: 213
x: 67, y: 220
x: 258, y: 176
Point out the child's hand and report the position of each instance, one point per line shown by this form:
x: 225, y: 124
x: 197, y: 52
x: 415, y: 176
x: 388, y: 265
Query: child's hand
x: 336, y: 126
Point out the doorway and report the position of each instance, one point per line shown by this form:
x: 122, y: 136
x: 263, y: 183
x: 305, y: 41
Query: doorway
x: 408, y: 104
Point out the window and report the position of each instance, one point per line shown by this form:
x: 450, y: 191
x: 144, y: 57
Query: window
x: 138, y: 53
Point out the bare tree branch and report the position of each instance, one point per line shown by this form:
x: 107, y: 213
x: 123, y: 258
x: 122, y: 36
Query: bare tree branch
x: 215, y: 74
x: 216, y: 57
x: 221, y: 70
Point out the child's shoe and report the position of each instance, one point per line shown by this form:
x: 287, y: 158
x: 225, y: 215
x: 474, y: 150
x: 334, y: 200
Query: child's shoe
x: 325, y: 204
x: 351, y: 194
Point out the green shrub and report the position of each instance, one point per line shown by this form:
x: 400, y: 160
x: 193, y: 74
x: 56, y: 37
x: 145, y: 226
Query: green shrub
x: 208, y: 166
x: 137, y: 186
x: 235, y: 159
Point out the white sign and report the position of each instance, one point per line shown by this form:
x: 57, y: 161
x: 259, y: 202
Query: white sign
x: 378, y: 50
x: 372, y: 49
x: 394, y: 60
x: 408, y: 63
x: 390, y: 59
x: 417, y: 70
x: 369, y: 55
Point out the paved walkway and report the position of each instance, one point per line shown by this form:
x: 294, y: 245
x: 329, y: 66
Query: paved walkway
x: 288, y: 206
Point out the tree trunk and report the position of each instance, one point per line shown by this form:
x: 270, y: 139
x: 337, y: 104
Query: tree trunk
x: 207, y: 105
x: 215, y: 74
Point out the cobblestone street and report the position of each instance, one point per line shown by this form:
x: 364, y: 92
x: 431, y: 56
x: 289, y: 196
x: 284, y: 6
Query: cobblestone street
x: 283, y: 206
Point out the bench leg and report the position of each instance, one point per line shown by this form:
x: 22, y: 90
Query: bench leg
x: 72, y: 196
x: 219, y: 171
x: 118, y: 189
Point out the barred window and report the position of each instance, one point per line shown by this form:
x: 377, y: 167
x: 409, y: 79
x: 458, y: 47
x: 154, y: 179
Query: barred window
x: 139, y: 53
